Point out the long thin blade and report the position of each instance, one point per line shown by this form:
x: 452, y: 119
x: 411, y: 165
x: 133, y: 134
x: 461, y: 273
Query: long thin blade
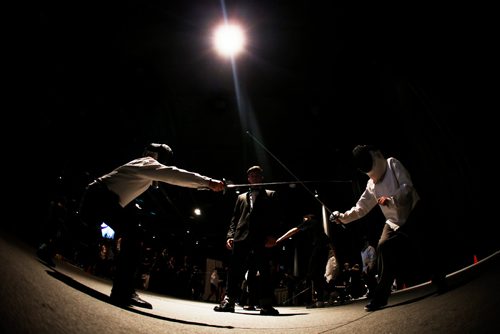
x: 264, y: 184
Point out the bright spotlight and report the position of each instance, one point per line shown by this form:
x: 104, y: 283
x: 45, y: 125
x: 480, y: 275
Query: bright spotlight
x: 229, y: 40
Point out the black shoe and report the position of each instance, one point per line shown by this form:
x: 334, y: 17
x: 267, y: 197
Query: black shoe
x: 269, y: 311
x: 249, y: 308
x: 374, y: 305
x: 133, y: 300
x: 225, y: 306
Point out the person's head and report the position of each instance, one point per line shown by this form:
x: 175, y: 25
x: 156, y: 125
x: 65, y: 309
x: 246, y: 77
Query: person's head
x: 161, y: 152
x: 369, y: 160
x: 255, y: 174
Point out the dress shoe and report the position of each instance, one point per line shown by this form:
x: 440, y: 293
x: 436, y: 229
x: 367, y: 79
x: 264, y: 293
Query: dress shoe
x: 269, y: 311
x: 374, y: 305
x: 133, y: 300
x: 225, y: 306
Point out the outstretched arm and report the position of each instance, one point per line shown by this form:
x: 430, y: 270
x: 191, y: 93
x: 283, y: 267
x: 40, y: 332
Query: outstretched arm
x: 288, y: 234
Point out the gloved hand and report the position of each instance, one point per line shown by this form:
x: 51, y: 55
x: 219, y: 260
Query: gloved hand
x: 334, y: 217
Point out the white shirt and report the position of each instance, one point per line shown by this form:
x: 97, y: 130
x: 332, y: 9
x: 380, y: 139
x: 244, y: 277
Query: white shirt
x: 252, y: 194
x: 396, y: 183
x: 135, y: 177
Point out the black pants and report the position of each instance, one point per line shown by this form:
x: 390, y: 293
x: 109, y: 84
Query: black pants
x: 243, y: 253
x: 406, y: 252
x: 316, y: 270
x: 99, y: 205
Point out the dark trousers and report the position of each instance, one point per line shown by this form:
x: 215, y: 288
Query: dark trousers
x: 390, y: 246
x: 404, y: 253
x: 316, y: 270
x: 100, y: 205
x: 244, y: 253
x: 250, y: 286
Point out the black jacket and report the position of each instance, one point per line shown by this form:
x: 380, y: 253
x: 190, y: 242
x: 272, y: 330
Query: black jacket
x: 254, y: 225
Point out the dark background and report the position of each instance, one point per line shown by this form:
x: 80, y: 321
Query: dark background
x: 89, y: 83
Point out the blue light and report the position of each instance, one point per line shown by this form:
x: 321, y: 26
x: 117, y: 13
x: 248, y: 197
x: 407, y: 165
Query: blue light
x: 107, y: 232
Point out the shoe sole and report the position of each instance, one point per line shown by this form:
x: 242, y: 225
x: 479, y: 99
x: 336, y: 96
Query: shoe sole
x: 129, y: 303
x: 269, y: 314
x: 227, y: 310
x: 148, y: 306
x: 272, y: 312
